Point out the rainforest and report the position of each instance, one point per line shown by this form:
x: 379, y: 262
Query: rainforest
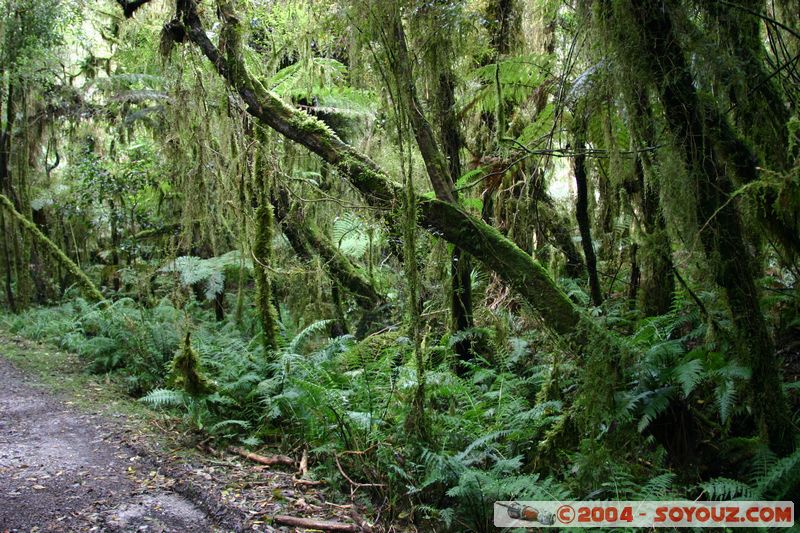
x: 395, y: 260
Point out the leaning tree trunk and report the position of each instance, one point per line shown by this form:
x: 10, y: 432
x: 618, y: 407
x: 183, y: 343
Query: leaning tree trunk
x: 89, y: 289
x: 518, y: 269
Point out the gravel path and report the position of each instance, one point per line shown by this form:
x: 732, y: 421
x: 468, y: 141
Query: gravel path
x: 63, y: 470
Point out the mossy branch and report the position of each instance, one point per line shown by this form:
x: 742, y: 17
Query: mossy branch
x: 89, y: 288
x: 308, y: 240
x: 479, y: 239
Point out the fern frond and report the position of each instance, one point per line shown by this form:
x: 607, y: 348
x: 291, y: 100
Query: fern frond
x: 657, y: 487
x: 723, y: 488
x: 309, y: 331
x: 688, y: 375
x: 164, y: 398
x: 782, y: 478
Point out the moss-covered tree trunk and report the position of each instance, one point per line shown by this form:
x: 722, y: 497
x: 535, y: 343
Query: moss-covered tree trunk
x: 262, y: 258
x: 759, y: 111
x: 645, y: 35
x: 20, y: 148
x: 89, y: 289
x: 6, y: 234
x: 8, y: 267
x: 658, y: 281
x: 439, y: 64
x: 480, y: 240
x: 558, y: 225
x: 756, y: 100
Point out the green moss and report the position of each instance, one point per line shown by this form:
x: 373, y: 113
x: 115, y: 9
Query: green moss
x: 485, y: 243
x: 262, y: 251
x: 309, y: 124
x: 366, y: 176
x: 186, y: 372
x: 85, y: 283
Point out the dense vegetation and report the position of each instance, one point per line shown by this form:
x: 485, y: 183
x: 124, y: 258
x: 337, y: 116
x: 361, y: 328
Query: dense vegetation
x: 499, y: 249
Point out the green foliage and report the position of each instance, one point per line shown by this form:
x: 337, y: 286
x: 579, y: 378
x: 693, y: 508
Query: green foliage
x: 124, y: 336
x: 349, y: 234
x: 164, y: 398
x: 519, y: 76
x: 194, y: 270
x: 159, y: 163
x: 770, y: 479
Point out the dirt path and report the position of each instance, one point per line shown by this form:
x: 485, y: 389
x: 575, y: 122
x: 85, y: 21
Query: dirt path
x: 63, y: 470
x: 76, y: 454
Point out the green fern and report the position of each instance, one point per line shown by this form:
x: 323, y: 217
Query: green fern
x: 688, y: 375
x: 315, y: 328
x: 727, y: 489
x: 773, y: 479
x: 164, y: 398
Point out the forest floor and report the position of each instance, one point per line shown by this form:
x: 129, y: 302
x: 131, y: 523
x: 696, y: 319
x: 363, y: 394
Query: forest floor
x: 77, y: 455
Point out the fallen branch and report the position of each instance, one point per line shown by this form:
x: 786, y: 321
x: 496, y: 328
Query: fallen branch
x: 263, y: 459
x: 311, y: 523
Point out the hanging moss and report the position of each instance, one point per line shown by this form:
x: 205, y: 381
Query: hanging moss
x: 480, y: 240
x: 186, y: 372
x: 89, y: 289
x: 714, y: 156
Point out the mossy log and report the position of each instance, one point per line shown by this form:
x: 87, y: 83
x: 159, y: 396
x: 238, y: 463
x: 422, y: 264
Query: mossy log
x: 89, y: 288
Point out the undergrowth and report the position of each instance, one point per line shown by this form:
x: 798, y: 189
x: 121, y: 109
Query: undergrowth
x: 506, y: 429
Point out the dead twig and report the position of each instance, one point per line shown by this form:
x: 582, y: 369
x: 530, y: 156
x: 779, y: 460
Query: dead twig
x: 354, y: 484
x: 309, y: 482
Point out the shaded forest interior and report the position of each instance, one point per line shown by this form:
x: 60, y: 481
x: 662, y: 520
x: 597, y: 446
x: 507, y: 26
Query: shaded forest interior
x: 464, y: 251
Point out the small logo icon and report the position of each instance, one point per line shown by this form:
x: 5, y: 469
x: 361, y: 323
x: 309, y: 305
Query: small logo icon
x: 529, y: 514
